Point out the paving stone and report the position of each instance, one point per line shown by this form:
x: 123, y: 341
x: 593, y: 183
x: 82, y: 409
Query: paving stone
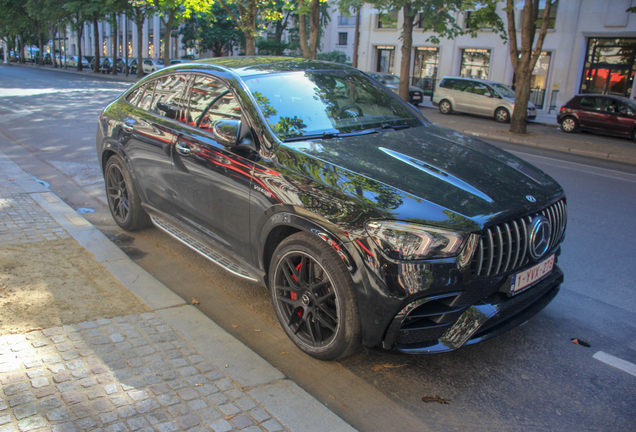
x: 50, y: 403
x: 159, y: 389
x: 87, y: 325
x: 137, y: 423
x: 138, y: 342
x: 188, y: 394
x: 118, y: 400
x: 3, y: 405
x: 179, y: 362
x: 88, y: 382
x: 101, y: 405
x: 158, y: 417
x: 167, y: 427
x: 21, y: 399
x: 24, y: 411
x: 99, y: 370
x: 117, y: 427
x: 8, y: 428
x: 77, y: 364
x: 108, y: 417
x: 72, y: 397
x: 138, y: 395
x: 61, y: 377
x: 216, y: 375
x: 95, y: 393
x: 126, y: 411
x: 45, y: 391
x: 197, y: 358
x: 188, y: 421
x: 80, y: 373
x: 272, y: 425
x: 242, y: 421
x: 197, y: 380
x: 16, y: 388
x: 188, y: 371
x: 4, y: 419
x: 70, y: 355
x: 31, y: 363
x: 229, y: 409
x: 207, y: 389
x: 56, y: 368
x: 253, y: 429
x: 57, y: 415
x: 31, y: 423
x: 209, y: 414
x: 245, y: 404
x: 217, y: 399
x: 221, y: 426
x: 81, y: 410
x: 259, y: 415
x: 234, y: 394
x: 53, y: 331
x: 110, y: 388
x: 146, y: 406
x: 197, y: 404
x: 85, y: 424
x: 35, y: 373
x: 67, y: 386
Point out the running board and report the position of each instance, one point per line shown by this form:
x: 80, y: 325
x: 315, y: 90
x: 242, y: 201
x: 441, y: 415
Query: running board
x: 204, y: 250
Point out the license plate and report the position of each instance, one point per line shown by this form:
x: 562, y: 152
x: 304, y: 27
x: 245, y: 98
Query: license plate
x: 526, y: 278
x: 416, y: 97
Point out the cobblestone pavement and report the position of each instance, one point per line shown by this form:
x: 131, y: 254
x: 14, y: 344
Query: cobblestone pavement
x: 22, y: 220
x: 131, y: 373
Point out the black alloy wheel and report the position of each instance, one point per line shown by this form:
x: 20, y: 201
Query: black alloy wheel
x: 123, y: 200
x: 313, y: 297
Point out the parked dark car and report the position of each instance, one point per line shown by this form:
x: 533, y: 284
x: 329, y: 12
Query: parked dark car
x: 393, y: 82
x: 614, y: 115
x: 72, y: 62
x: 121, y: 65
x: 368, y: 223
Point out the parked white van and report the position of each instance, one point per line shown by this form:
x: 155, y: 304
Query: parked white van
x: 475, y: 96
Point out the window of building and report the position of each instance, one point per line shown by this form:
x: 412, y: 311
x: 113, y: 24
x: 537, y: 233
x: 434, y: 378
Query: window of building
x: 609, y: 66
x: 481, y: 26
x: 346, y: 21
x: 475, y: 63
x: 551, y: 17
x: 342, y: 39
x: 425, y: 65
x: 151, y: 38
x: 388, y: 20
x: 385, y: 56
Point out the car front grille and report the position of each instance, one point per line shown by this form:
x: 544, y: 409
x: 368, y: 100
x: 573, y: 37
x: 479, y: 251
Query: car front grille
x: 504, y: 247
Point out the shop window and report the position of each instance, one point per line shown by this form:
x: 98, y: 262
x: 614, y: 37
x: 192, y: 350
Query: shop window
x: 385, y: 56
x: 609, y: 66
x: 475, y: 63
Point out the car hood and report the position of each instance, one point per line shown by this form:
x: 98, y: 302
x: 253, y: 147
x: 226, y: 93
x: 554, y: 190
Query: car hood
x: 431, y: 171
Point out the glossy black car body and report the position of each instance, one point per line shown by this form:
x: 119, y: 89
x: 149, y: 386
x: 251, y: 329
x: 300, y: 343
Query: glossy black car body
x: 613, y: 115
x: 244, y: 201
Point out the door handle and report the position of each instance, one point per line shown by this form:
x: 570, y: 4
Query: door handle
x: 182, y: 149
x: 127, y: 127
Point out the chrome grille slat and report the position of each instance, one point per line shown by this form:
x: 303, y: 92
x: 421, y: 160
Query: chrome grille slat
x: 503, y: 248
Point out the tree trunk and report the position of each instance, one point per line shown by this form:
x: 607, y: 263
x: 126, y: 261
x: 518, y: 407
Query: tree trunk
x: 21, y: 49
x: 53, y: 59
x: 41, y: 42
x: 302, y: 30
x: 356, y: 40
x: 167, y: 36
x: 519, y: 119
x: 114, y: 31
x: 407, y: 45
x: 314, y: 28
x: 96, y: 40
x: 140, y: 45
x: 79, y: 31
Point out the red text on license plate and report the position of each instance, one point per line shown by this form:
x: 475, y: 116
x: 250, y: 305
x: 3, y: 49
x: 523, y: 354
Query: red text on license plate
x: 530, y: 276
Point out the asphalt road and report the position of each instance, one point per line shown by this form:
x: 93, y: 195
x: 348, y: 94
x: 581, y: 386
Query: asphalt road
x: 532, y: 378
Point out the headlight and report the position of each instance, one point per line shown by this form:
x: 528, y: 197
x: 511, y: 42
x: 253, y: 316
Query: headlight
x: 406, y: 241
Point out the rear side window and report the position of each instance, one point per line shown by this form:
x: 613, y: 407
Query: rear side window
x: 592, y: 103
x: 205, y: 91
x: 134, y: 97
x: 481, y: 89
x: 169, y: 97
x: 614, y: 106
x: 447, y: 83
x: 146, y: 99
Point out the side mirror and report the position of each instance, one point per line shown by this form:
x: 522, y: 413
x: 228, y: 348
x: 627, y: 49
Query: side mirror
x: 226, y: 132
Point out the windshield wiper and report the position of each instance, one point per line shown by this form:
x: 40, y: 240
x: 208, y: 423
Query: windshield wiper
x: 329, y: 135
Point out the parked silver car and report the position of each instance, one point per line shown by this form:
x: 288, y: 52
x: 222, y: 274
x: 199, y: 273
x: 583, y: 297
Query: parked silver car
x: 477, y: 96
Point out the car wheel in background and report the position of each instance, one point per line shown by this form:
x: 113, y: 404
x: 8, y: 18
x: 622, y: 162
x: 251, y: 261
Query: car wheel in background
x: 502, y: 115
x: 313, y: 297
x: 569, y: 124
x: 123, y: 201
x: 445, y: 107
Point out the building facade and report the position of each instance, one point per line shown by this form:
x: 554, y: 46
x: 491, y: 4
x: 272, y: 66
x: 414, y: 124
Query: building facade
x: 590, y: 48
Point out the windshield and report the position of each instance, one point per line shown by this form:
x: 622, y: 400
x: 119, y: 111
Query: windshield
x: 503, y: 90
x: 326, y: 102
x: 159, y: 61
x: 391, y: 79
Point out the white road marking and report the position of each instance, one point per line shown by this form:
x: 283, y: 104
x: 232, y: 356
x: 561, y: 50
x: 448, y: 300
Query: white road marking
x: 587, y: 169
x: 621, y: 364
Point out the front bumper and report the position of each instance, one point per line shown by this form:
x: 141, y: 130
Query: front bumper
x: 483, y: 320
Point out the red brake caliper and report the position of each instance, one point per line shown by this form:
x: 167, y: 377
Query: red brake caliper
x: 294, y: 296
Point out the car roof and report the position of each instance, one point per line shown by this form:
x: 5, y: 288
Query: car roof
x: 620, y: 98
x: 256, y: 65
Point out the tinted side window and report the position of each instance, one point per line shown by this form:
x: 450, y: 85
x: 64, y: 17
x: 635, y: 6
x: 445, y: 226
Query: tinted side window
x: 614, y: 106
x: 205, y: 91
x: 480, y: 89
x: 225, y: 107
x: 463, y: 85
x: 593, y: 103
x: 146, y: 99
x: 136, y: 95
x: 169, y: 98
x: 447, y: 83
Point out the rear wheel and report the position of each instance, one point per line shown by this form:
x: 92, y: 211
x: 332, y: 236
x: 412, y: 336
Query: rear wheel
x: 445, y: 107
x: 502, y: 115
x: 313, y: 297
x: 123, y: 200
x: 569, y: 124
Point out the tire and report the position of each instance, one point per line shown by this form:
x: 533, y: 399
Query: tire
x: 569, y: 124
x: 123, y: 200
x: 445, y: 107
x: 502, y: 115
x: 318, y: 311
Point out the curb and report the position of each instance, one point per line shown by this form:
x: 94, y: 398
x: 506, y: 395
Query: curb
x: 292, y: 406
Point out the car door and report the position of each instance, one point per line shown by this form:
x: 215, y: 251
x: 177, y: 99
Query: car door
x: 482, y: 102
x: 462, y: 95
x: 591, y: 115
x: 212, y: 182
x: 619, y: 118
x: 152, y: 126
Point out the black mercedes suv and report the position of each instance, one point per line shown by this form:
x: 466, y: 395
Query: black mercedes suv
x: 368, y: 224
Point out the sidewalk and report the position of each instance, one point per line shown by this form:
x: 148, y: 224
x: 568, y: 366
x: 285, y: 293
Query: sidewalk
x: 544, y: 133
x: 165, y: 370
x: 88, y: 73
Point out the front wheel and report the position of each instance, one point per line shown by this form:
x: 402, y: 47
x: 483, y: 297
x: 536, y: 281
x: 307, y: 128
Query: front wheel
x: 313, y: 297
x: 123, y: 200
x: 445, y: 107
x: 569, y: 124
x: 502, y: 115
